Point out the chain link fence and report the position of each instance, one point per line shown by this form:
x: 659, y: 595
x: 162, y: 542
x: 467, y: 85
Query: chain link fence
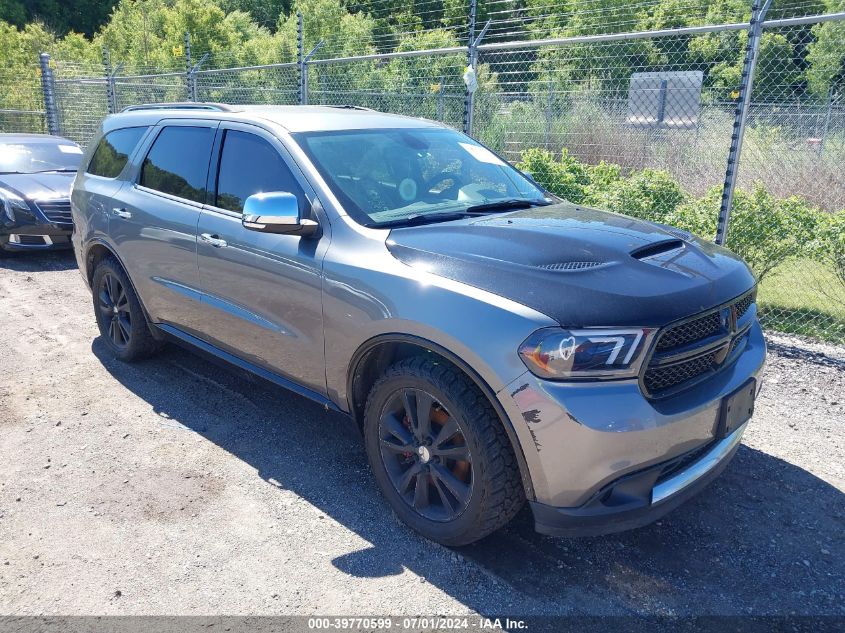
x: 424, y: 85
x: 650, y: 123
x: 22, y: 101
x: 794, y: 151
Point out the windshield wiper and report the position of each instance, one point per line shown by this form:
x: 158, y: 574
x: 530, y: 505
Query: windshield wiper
x: 506, y: 205
x: 421, y: 218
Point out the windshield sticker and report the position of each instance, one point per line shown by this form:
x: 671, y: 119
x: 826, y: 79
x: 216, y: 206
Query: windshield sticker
x: 482, y: 154
x: 69, y: 149
x: 408, y: 189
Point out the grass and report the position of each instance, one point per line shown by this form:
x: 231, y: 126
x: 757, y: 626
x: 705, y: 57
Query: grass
x: 804, y: 297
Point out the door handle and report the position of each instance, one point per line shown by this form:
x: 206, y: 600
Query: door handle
x: 214, y: 240
x: 121, y: 213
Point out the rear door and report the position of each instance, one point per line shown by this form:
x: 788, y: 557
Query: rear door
x: 154, y: 220
x: 263, y: 290
x: 98, y: 184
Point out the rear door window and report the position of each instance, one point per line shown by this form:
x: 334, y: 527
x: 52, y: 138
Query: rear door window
x: 248, y: 165
x: 113, y: 151
x: 177, y: 163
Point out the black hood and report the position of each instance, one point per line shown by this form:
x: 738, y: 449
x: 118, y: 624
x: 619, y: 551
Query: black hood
x: 39, y: 186
x: 580, y: 266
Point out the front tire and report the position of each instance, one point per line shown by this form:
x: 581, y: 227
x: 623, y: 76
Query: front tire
x: 439, y: 452
x: 120, y: 318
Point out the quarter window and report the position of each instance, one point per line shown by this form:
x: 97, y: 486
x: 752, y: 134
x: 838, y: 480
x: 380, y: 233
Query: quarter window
x: 249, y: 165
x: 113, y: 151
x: 177, y: 163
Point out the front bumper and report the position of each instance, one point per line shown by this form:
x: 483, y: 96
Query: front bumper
x: 638, y: 499
x: 598, y: 453
x: 34, y: 236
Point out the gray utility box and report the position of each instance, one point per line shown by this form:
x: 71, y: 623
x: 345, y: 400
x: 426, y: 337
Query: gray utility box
x: 665, y: 99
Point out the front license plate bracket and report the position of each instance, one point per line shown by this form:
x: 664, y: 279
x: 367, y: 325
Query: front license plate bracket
x: 737, y: 408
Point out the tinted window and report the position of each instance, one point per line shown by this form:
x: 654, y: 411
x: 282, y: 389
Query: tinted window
x: 178, y: 162
x: 248, y: 165
x: 113, y: 151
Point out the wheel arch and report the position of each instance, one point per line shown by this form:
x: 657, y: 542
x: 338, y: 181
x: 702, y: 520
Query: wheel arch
x: 94, y: 254
x: 381, y: 351
x: 98, y: 250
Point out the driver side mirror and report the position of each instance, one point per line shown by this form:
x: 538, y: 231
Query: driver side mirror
x: 276, y: 212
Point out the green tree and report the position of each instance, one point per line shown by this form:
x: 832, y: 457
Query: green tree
x: 264, y: 12
x: 60, y: 16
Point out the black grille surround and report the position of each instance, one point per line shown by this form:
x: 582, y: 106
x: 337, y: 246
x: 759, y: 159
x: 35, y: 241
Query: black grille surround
x: 57, y: 211
x: 694, y: 349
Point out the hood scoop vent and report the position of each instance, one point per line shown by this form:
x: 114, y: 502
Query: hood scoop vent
x: 658, y: 248
x: 570, y: 265
x: 684, y: 235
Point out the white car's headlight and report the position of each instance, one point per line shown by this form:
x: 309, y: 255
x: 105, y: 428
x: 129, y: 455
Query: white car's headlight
x: 10, y: 202
x: 559, y: 354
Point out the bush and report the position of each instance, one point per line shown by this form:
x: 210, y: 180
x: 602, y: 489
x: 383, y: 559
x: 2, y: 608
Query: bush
x: 566, y: 177
x: 649, y: 194
x: 764, y: 231
x: 831, y: 243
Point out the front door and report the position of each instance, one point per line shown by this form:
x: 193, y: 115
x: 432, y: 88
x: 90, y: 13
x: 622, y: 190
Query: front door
x: 263, y: 290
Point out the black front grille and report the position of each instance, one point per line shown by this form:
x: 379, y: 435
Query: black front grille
x: 57, y: 211
x: 690, y: 331
x: 743, y: 304
x: 682, y: 462
x: 661, y: 378
x: 676, y: 363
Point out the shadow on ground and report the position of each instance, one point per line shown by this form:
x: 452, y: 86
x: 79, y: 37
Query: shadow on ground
x: 764, y: 539
x: 37, y: 261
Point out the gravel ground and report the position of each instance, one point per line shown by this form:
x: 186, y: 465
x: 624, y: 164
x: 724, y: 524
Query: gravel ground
x: 177, y: 487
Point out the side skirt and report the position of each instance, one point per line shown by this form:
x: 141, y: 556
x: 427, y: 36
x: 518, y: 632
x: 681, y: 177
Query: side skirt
x: 216, y: 354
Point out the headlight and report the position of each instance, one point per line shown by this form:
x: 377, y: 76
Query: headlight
x: 11, y: 201
x: 591, y: 353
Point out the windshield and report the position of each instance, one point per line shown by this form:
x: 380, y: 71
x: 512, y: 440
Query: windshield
x: 22, y: 157
x: 385, y: 177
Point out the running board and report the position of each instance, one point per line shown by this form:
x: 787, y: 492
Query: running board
x: 215, y: 353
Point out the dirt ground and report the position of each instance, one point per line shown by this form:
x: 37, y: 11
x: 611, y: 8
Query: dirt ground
x: 177, y: 487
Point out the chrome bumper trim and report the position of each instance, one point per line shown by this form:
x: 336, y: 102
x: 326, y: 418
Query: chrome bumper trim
x: 708, y: 462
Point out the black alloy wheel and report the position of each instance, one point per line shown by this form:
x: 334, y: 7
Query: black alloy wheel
x: 120, y: 317
x: 113, y: 304
x: 425, y: 455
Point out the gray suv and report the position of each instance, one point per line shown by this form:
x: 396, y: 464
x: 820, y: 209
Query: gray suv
x: 493, y: 344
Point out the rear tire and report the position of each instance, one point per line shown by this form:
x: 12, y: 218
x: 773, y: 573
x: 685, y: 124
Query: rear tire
x: 122, y: 322
x: 451, y: 475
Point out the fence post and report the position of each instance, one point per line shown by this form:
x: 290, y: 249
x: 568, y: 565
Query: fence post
x: 826, y: 130
x: 547, y: 128
x: 300, y: 57
x: 190, y: 86
x: 48, y: 87
x: 746, y: 85
x: 469, y: 95
x: 441, y: 110
x: 111, y: 94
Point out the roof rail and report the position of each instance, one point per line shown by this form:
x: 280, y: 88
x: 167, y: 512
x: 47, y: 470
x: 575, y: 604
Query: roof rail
x: 183, y: 105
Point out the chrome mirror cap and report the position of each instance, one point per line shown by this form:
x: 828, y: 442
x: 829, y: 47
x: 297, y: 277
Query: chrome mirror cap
x: 276, y: 212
